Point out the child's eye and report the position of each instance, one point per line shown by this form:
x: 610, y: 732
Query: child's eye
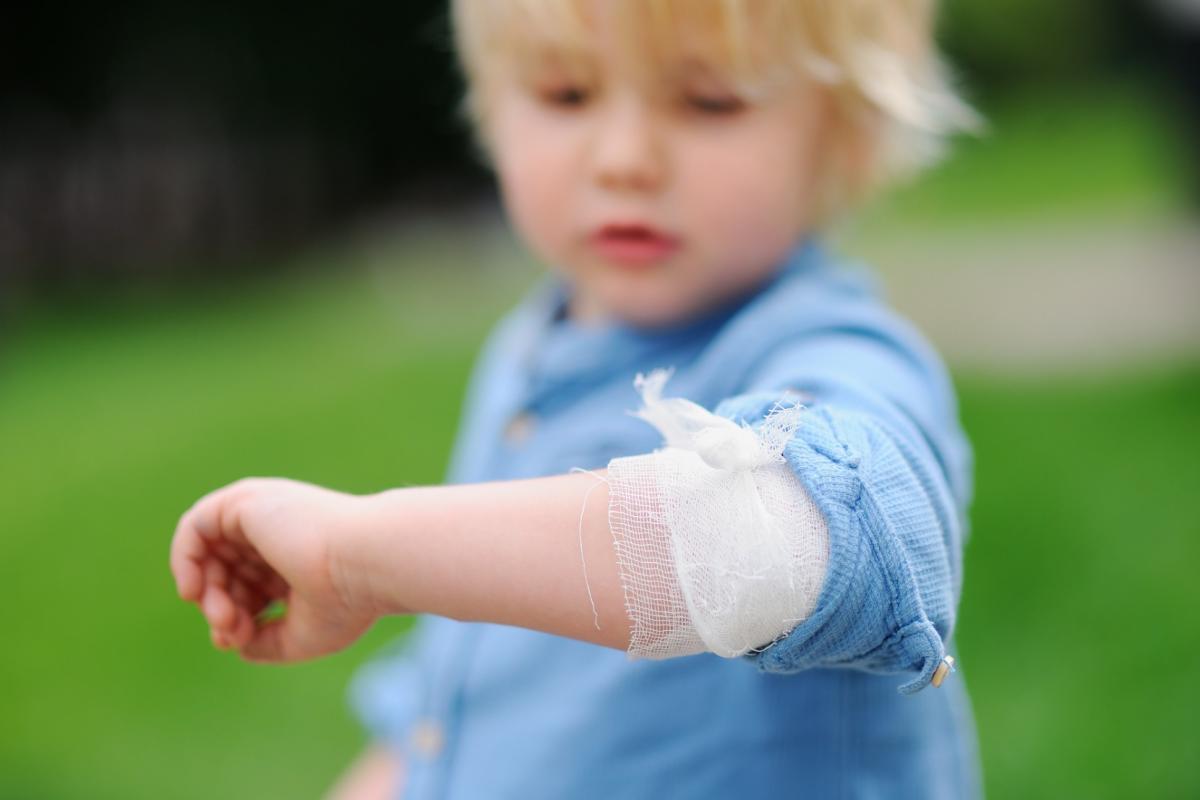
x: 566, y: 97
x: 716, y: 105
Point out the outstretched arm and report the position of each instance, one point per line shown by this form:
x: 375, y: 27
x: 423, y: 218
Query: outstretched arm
x: 709, y: 544
x: 509, y: 552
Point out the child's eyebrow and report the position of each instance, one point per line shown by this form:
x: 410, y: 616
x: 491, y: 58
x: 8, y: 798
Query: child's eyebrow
x: 698, y: 67
x: 707, y: 68
x: 703, y: 71
x: 553, y: 54
x: 577, y: 64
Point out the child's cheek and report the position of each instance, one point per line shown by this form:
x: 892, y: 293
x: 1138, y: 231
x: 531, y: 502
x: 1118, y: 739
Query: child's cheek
x: 744, y: 220
x: 534, y: 199
x: 750, y: 184
x: 536, y: 216
x: 532, y: 156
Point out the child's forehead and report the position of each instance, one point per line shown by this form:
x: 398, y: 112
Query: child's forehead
x: 658, y: 43
x: 692, y: 47
x: 680, y: 62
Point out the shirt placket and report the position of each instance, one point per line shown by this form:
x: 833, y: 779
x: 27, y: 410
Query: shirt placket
x: 543, y: 368
x: 431, y: 739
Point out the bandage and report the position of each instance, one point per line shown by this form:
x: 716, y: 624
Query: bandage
x: 719, y: 547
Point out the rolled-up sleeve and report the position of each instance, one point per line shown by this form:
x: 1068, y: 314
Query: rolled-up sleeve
x: 881, y: 454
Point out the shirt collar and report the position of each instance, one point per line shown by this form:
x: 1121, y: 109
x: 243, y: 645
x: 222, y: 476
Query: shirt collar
x: 559, y: 351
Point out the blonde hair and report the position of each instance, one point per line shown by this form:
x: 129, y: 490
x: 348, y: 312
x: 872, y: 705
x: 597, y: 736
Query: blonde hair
x: 894, y: 105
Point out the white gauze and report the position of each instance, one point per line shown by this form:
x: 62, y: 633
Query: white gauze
x: 718, y: 545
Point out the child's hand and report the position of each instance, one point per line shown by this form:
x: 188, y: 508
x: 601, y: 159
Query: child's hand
x: 265, y: 539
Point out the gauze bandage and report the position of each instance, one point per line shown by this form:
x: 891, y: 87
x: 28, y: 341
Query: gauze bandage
x: 719, y: 547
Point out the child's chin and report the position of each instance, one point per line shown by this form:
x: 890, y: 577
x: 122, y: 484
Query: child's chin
x: 646, y: 314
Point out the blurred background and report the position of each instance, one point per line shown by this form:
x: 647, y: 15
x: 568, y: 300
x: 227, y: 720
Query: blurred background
x: 236, y: 240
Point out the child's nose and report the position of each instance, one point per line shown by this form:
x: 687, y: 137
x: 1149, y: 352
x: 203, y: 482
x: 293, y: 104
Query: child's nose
x: 629, y: 148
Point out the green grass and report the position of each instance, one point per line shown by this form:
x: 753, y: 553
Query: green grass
x: 1077, y: 632
x: 112, y: 422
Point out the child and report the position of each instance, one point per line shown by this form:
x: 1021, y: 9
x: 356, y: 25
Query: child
x: 733, y: 612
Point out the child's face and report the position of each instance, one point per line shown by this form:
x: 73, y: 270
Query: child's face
x: 657, y: 199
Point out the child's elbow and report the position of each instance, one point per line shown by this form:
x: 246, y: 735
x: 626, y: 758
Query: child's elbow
x: 890, y: 593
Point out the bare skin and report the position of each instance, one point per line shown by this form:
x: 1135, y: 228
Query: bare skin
x: 511, y: 552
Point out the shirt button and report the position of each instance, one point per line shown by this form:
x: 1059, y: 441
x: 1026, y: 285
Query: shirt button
x: 519, y: 428
x: 428, y: 738
x: 943, y: 669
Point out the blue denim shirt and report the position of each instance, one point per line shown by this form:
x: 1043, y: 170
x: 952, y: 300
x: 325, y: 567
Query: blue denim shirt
x: 834, y: 709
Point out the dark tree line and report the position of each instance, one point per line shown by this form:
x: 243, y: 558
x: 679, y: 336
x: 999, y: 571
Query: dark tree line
x: 135, y: 134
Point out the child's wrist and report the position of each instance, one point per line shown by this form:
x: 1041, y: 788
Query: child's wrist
x: 369, y: 553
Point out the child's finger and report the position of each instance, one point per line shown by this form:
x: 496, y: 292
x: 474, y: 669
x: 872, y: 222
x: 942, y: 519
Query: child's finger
x: 243, y: 630
x: 239, y: 592
x: 218, y: 608
x: 219, y: 640
x: 275, y: 586
x: 212, y: 522
x: 268, y: 644
x: 187, y: 553
x: 250, y: 572
x: 247, y: 597
x: 216, y: 573
x: 272, y: 585
x: 217, y: 514
x: 226, y: 552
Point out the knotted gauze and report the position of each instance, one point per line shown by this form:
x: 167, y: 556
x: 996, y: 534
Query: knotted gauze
x: 718, y: 545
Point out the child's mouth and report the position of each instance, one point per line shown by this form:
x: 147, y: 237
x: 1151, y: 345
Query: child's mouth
x: 634, y: 245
